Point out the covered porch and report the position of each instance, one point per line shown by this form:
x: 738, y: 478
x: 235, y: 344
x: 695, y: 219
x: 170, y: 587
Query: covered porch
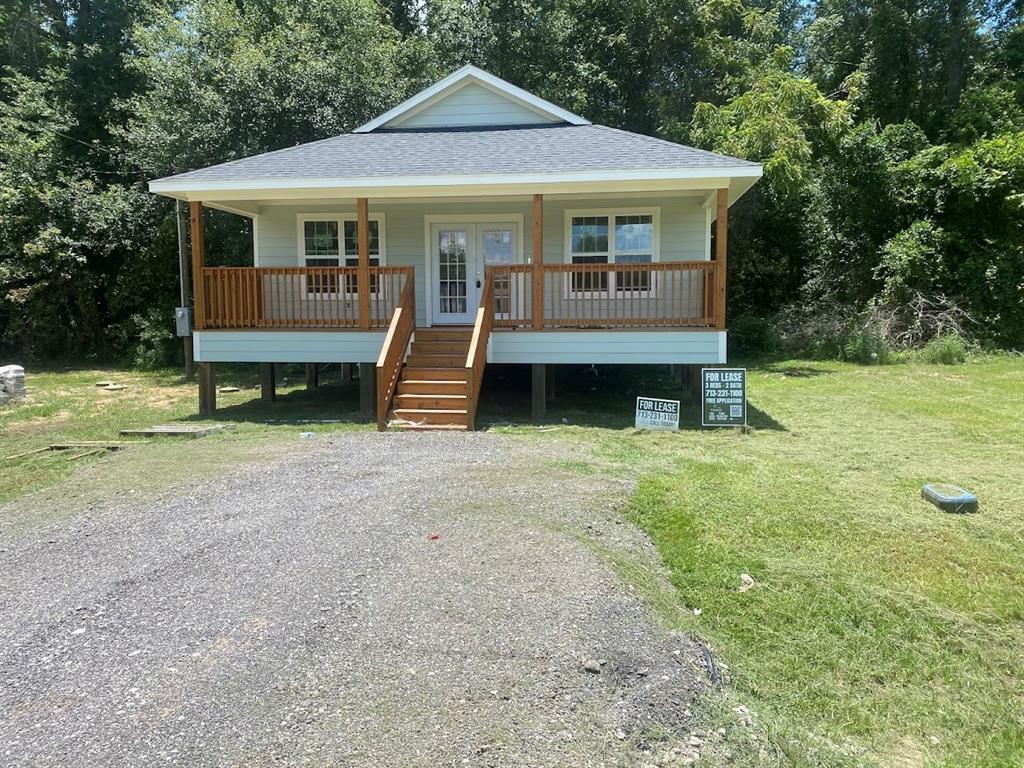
x: 536, y: 311
x: 663, y: 294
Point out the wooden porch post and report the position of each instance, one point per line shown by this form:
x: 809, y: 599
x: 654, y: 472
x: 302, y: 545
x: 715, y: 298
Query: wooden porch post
x: 268, y: 382
x: 537, y: 300
x: 538, y: 392
x: 721, y: 241
x: 312, y: 377
x: 207, y: 390
x: 198, y: 261
x: 367, y: 390
x: 363, y: 277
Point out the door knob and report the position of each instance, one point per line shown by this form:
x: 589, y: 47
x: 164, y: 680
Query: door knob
x: 478, y: 282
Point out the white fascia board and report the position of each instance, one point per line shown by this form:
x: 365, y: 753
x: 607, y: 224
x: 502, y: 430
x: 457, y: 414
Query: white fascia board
x: 470, y: 73
x: 237, y: 208
x: 263, y: 188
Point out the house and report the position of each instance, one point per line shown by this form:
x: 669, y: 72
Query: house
x: 474, y: 224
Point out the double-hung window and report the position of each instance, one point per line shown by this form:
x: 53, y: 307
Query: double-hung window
x: 333, y: 241
x: 612, y: 237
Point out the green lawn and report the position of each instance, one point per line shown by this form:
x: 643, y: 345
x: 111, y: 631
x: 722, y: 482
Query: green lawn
x: 66, y: 405
x: 882, y: 631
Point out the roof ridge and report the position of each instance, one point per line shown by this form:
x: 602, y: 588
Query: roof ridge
x: 471, y: 128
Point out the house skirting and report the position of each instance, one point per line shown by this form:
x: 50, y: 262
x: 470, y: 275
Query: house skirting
x: 288, y: 346
x: 623, y: 347
x: 646, y: 346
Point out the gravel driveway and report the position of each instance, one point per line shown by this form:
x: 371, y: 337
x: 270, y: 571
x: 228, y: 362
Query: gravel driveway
x: 397, y: 599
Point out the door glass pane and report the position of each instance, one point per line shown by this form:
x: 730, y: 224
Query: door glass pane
x: 498, y: 250
x: 452, y: 284
x: 498, y: 246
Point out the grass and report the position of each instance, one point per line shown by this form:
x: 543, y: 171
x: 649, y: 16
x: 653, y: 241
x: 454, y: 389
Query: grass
x: 881, y: 630
x: 66, y: 405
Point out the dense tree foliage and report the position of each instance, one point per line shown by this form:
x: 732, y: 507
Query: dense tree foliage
x: 892, y: 134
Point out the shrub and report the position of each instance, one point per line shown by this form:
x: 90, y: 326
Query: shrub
x: 948, y: 349
x: 751, y: 335
x: 867, y: 345
x: 148, y: 341
x: 816, y: 331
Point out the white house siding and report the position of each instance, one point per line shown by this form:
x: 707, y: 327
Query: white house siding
x: 623, y: 347
x: 347, y: 346
x: 472, y: 105
x: 653, y: 346
x: 683, y: 229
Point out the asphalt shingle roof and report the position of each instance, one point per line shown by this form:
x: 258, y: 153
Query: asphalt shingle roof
x: 534, y: 149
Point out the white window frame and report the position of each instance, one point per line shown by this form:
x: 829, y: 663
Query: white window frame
x: 611, y: 213
x: 339, y: 219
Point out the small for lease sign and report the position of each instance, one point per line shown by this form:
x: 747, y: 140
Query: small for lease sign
x: 655, y: 413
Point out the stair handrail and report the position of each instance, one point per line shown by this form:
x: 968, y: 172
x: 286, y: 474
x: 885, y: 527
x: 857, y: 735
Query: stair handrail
x: 476, y: 358
x: 392, y: 353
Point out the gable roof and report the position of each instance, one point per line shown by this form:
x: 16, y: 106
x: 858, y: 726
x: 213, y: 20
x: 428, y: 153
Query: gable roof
x: 545, y: 111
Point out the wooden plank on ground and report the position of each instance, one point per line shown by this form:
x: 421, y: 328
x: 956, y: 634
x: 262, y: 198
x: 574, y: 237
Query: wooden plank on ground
x: 97, y: 445
x: 178, y: 430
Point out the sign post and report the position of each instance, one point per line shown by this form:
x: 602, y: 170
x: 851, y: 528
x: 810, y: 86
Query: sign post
x: 655, y: 413
x: 723, y: 396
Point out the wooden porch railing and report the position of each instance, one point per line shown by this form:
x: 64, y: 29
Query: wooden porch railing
x: 663, y: 294
x: 392, y: 354
x: 297, y: 297
x: 476, y: 358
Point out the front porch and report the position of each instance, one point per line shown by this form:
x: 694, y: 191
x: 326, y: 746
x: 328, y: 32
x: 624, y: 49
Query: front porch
x: 540, y: 313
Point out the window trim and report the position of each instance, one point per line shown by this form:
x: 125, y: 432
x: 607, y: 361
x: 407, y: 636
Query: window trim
x: 340, y: 218
x: 612, y: 290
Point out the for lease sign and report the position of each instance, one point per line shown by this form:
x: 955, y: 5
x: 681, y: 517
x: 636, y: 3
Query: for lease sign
x: 655, y: 413
x: 723, y: 397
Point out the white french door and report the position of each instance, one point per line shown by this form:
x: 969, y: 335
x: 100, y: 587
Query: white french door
x: 460, y: 252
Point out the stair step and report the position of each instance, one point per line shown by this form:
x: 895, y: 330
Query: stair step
x: 431, y: 401
x: 429, y: 427
x: 433, y: 373
x: 436, y: 361
x: 443, y: 334
x: 433, y: 415
x: 460, y: 348
x: 431, y: 387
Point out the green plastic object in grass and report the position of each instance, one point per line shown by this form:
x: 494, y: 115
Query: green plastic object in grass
x: 950, y: 498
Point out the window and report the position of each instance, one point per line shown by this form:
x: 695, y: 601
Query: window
x: 320, y: 244
x: 630, y: 241
x: 634, y: 244
x: 589, y: 246
x: 333, y: 242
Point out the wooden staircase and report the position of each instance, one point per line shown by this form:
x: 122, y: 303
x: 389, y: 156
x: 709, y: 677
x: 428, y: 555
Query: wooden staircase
x: 433, y: 390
